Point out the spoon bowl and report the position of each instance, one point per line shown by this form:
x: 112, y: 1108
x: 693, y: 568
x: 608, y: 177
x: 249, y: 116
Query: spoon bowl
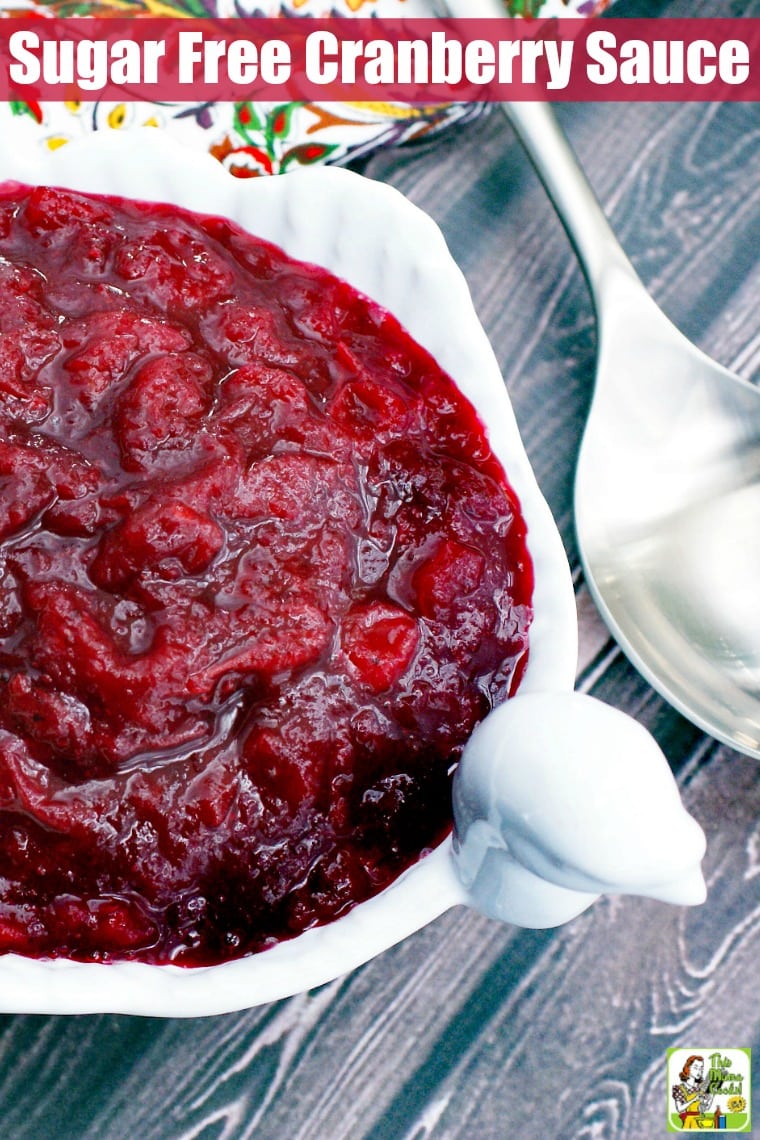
x: 667, y: 503
x: 667, y: 491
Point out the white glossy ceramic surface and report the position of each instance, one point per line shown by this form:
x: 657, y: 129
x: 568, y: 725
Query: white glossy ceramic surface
x: 371, y: 236
x: 559, y: 799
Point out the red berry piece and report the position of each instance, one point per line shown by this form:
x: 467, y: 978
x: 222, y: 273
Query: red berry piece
x: 173, y: 270
x: 25, y: 490
x: 444, y: 580
x: 166, y: 538
x: 263, y: 405
x: 370, y: 411
x: 379, y: 641
x: 298, y: 487
x: 58, y: 212
x: 247, y: 334
x: 162, y: 408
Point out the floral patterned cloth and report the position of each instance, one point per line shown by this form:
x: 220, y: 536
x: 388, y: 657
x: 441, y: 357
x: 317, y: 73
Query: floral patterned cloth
x: 251, y: 139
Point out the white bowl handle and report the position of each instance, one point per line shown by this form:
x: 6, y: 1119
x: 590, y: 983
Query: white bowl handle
x: 559, y: 798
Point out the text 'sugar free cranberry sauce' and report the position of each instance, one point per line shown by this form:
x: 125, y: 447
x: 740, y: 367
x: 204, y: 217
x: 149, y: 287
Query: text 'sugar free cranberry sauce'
x: 261, y: 576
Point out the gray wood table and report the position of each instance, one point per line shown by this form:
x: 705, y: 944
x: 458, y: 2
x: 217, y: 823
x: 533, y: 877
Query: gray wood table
x: 470, y: 1029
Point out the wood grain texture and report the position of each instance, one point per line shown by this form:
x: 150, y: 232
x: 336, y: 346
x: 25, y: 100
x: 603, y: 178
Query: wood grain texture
x: 470, y: 1030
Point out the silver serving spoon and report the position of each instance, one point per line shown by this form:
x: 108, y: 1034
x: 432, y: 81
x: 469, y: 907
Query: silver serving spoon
x: 667, y: 491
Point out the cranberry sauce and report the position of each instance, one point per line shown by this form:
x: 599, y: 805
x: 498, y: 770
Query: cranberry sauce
x: 261, y: 576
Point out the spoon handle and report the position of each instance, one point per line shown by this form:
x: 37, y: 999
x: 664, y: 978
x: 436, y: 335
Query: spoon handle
x: 597, y: 247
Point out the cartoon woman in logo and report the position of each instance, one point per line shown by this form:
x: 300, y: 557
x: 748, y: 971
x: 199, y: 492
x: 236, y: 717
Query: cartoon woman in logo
x: 692, y: 1096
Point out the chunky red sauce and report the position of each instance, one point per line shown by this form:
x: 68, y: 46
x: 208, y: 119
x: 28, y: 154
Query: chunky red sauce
x: 261, y: 576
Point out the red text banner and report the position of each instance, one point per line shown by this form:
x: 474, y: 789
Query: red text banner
x: 411, y: 61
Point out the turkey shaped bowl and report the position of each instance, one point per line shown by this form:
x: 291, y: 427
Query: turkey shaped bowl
x: 371, y: 237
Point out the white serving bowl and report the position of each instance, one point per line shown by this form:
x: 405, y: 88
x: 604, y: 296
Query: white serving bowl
x: 375, y: 239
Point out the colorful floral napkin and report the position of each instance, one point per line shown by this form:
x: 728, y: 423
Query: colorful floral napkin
x: 251, y: 139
